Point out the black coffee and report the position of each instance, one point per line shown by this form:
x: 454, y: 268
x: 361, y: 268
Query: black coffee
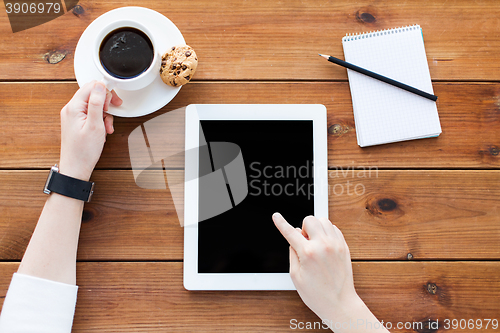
x: 126, y: 53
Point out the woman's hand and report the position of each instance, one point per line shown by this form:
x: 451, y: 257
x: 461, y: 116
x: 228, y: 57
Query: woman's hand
x: 84, y: 126
x: 320, y: 267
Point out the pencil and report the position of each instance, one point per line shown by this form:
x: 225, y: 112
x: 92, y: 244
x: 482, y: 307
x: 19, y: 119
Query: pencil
x: 380, y: 77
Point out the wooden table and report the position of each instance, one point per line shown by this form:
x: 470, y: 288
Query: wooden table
x: 424, y: 235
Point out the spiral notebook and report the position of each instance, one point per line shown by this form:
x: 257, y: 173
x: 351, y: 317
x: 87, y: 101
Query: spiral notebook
x: 384, y: 113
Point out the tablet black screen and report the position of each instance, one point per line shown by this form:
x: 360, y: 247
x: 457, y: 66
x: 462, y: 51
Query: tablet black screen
x: 278, y: 159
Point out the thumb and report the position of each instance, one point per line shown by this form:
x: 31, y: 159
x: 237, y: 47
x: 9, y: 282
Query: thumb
x: 294, y: 262
x: 96, y: 104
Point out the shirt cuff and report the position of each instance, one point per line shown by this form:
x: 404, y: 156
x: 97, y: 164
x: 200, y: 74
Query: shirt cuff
x: 34, y: 304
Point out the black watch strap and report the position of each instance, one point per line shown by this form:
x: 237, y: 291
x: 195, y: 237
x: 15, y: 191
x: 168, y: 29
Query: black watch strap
x: 68, y: 186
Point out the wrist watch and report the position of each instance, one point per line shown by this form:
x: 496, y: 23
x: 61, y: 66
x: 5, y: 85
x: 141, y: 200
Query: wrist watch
x: 68, y: 186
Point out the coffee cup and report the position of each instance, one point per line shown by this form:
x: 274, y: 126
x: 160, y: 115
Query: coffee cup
x: 126, y: 56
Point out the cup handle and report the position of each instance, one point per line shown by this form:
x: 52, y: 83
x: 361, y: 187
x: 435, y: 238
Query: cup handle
x: 109, y: 85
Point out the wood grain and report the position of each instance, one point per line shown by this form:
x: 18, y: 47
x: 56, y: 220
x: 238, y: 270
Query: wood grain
x: 149, y: 297
x: 469, y: 114
x: 384, y: 215
x: 273, y: 40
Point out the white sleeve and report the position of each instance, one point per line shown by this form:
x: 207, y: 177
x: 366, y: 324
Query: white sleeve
x: 38, y: 305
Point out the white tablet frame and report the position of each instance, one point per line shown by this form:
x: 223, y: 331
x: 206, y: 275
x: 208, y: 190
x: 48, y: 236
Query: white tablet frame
x: 196, y: 112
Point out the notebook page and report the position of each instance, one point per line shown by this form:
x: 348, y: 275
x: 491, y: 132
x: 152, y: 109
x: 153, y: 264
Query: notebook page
x: 384, y: 113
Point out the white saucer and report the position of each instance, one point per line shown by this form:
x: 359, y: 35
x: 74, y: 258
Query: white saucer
x: 140, y: 102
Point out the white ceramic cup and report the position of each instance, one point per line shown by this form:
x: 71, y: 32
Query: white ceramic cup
x: 135, y: 83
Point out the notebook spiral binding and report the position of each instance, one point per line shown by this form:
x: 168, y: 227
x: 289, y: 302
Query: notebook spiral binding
x: 363, y: 35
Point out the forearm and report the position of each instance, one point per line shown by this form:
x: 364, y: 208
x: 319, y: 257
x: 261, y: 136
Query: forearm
x: 51, y: 252
x: 354, y: 317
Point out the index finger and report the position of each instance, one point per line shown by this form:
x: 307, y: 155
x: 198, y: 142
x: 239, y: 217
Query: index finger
x: 115, y: 99
x: 292, y: 235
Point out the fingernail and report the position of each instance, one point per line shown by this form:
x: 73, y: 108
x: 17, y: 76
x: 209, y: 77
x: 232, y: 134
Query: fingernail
x: 99, y: 88
x: 276, y: 215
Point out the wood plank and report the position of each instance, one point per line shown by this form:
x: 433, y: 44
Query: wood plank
x: 384, y: 215
x: 149, y: 297
x: 469, y: 113
x: 123, y: 221
x: 417, y: 214
x: 270, y: 40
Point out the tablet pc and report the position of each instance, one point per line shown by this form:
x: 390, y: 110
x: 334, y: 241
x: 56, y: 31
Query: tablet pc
x: 251, y: 161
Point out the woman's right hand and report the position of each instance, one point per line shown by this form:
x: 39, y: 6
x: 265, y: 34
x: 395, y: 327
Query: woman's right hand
x: 320, y: 265
x: 321, y: 270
